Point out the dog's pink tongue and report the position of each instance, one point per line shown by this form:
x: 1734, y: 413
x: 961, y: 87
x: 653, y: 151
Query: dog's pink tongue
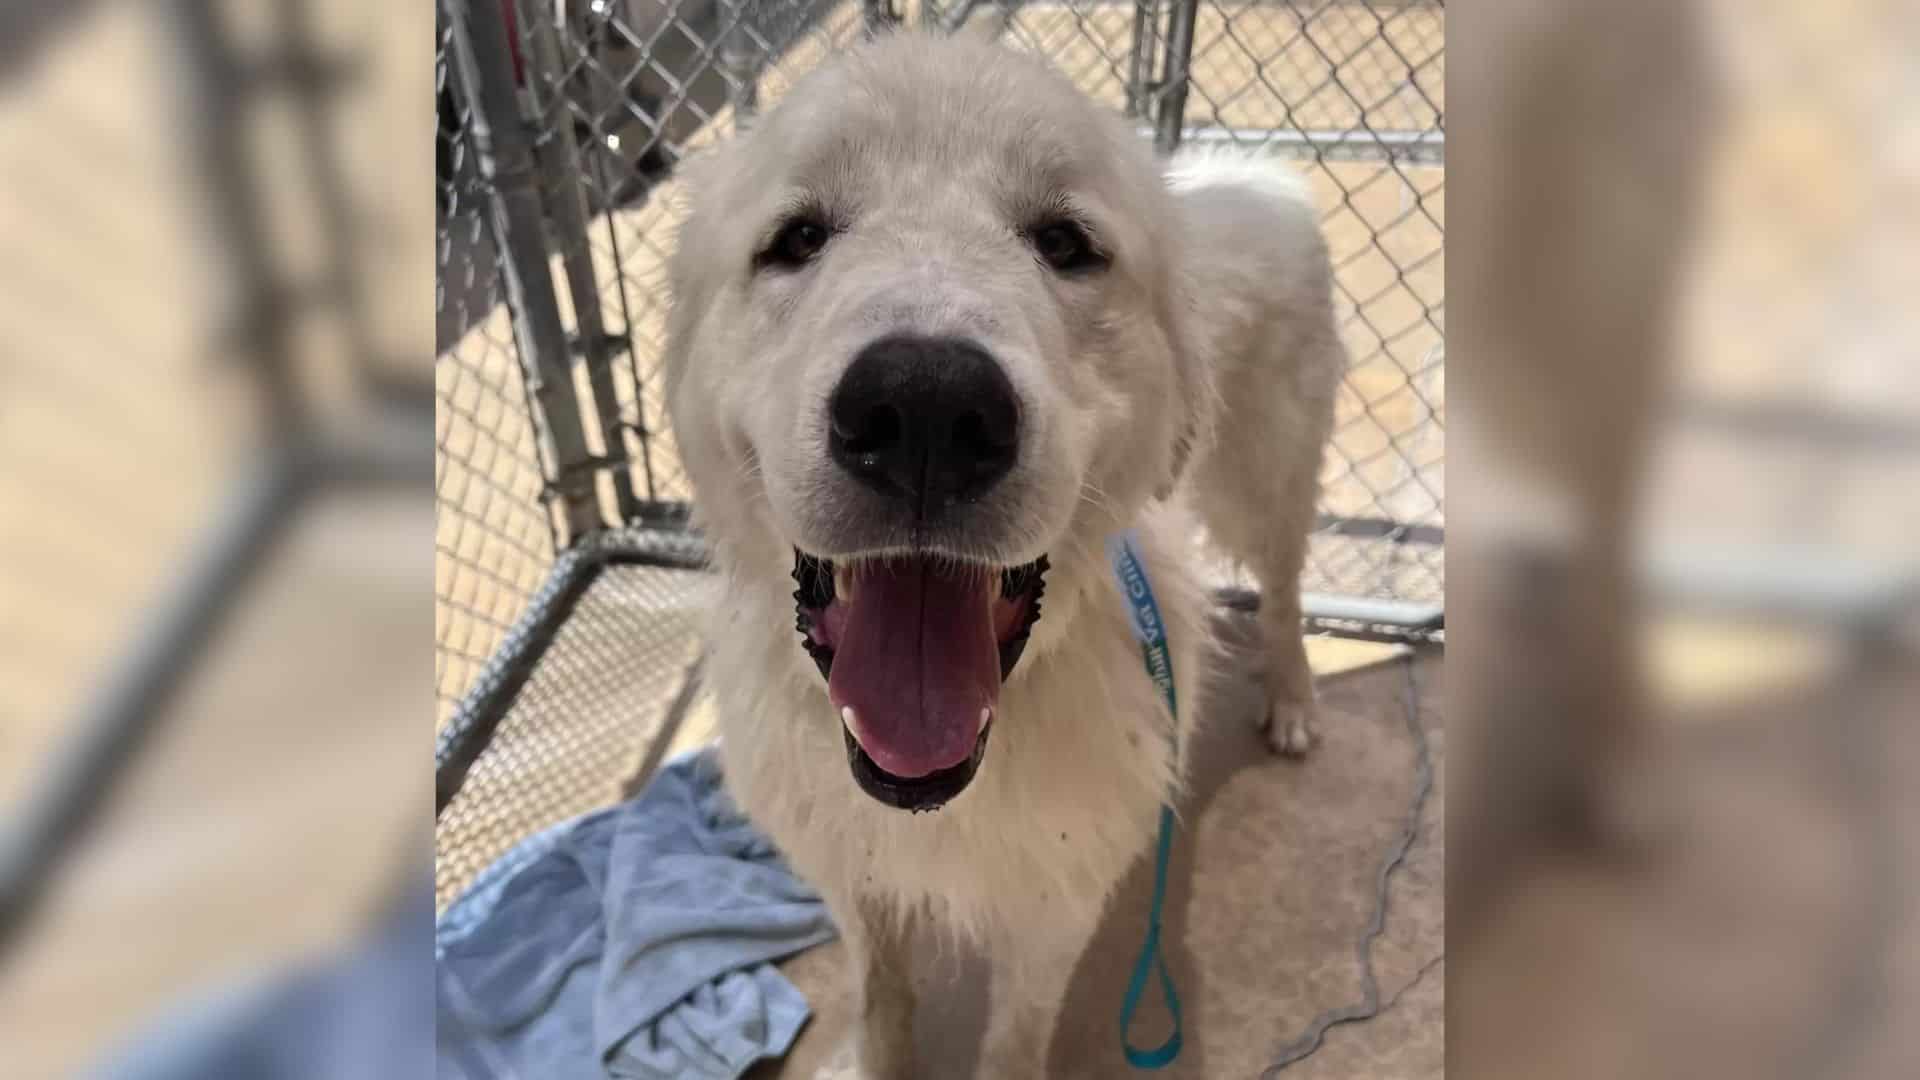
x: 917, y: 663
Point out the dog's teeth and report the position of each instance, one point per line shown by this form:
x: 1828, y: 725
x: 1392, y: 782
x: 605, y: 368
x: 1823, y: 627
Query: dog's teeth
x: 852, y: 721
x: 986, y: 716
x: 843, y: 584
x: 998, y: 585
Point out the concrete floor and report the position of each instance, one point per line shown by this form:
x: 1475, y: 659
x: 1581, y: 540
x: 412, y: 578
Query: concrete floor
x: 1274, y: 881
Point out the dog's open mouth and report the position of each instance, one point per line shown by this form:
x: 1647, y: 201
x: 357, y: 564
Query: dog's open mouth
x: 914, y: 649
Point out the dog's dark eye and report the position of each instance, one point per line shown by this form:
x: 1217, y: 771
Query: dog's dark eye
x: 1065, y: 246
x: 797, y: 242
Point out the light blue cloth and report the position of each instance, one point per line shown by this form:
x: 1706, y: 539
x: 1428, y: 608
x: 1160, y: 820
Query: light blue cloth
x: 633, y: 942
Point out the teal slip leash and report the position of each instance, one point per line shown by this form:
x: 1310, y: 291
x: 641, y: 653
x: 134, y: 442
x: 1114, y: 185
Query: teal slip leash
x: 1144, y: 614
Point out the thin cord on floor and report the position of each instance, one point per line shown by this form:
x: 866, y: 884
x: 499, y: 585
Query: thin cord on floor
x: 1369, y: 1005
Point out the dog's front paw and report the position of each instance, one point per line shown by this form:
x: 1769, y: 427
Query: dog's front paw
x: 843, y: 1065
x: 1289, y: 728
x: 855, y: 1060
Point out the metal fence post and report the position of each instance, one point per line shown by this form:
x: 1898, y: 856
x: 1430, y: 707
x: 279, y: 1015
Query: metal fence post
x: 1142, y: 49
x: 484, y: 60
x: 559, y: 157
x: 1175, y: 77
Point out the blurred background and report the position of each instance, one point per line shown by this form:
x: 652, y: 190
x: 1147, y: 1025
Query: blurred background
x: 216, y: 315
x: 1682, y: 691
x: 1685, y: 478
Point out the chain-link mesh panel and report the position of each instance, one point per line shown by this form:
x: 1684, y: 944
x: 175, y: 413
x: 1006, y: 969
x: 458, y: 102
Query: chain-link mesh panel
x: 579, y: 729
x: 1356, y: 91
x: 493, y: 537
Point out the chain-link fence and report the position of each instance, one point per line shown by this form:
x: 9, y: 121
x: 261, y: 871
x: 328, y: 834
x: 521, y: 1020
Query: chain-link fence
x: 561, y: 125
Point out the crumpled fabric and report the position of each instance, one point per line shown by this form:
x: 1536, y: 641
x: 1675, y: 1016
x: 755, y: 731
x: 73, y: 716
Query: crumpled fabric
x: 634, y: 942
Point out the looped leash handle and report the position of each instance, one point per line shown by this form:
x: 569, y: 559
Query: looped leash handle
x: 1144, y: 614
x: 1151, y: 958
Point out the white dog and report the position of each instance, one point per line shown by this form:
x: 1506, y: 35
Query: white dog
x: 941, y: 326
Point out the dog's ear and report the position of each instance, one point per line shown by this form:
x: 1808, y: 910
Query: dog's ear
x: 987, y: 25
x: 1195, y: 397
x: 693, y: 276
x: 701, y: 168
x: 700, y: 189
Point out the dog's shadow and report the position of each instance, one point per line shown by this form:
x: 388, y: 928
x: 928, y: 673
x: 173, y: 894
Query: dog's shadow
x: 953, y: 987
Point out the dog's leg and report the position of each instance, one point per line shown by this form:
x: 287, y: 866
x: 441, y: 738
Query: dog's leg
x: 1291, y: 712
x: 1030, y: 976
x: 1262, y: 523
x: 880, y: 1044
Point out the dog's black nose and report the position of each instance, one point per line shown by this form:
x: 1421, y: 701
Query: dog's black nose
x: 931, y: 420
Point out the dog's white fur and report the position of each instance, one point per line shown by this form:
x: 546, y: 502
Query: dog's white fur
x: 1207, y: 351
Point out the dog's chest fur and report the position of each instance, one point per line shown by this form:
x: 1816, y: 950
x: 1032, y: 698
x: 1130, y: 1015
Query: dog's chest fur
x: 1077, y: 765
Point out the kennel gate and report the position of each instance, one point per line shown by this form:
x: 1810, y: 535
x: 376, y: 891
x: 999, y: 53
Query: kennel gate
x: 565, y: 568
